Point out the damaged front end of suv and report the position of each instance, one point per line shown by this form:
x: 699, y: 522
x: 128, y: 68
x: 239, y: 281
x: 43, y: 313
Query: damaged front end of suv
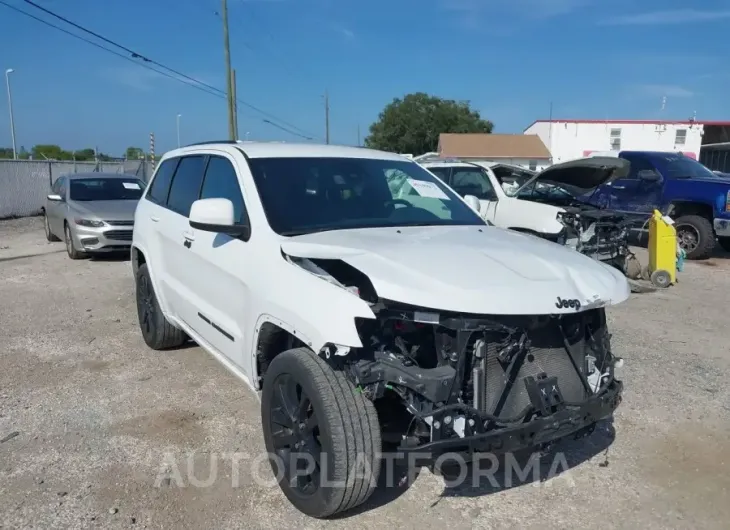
x: 446, y: 381
x: 486, y: 383
x: 589, y: 228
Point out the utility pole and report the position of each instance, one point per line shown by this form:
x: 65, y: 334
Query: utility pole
x: 358, y: 136
x: 235, y: 103
x: 10, y: 107
x: 326, y: 117
x: 178, y: 129
x: 229, y: 84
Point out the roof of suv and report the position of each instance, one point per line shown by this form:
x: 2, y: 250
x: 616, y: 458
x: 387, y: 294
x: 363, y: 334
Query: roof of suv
x: 290, y: 150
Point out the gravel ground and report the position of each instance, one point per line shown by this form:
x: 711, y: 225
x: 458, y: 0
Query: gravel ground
x: 90, y: 418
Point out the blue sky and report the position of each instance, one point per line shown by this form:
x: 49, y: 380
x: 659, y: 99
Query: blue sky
x: 509, y: 58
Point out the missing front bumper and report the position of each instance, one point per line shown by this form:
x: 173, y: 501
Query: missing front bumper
x: 571, y: 420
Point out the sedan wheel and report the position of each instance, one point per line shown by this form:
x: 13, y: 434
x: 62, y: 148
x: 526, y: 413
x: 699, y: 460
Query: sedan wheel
x: 70, y: 247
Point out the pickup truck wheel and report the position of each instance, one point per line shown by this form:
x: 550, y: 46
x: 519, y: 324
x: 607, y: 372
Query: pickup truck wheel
x: 695, y: 235
x: 322, y: 435
x: 724, y: 243
x: 157, y: 332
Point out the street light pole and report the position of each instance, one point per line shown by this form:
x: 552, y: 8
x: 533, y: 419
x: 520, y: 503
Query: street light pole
x: 10, y: 107
x: 178, y: 129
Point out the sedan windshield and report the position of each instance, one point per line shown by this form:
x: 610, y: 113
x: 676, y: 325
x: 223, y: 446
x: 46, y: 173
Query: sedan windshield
x: 106, y: 189
x: 304, y: 195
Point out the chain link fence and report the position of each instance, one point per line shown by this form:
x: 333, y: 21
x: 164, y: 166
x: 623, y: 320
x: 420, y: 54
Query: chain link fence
x: 24, y: 184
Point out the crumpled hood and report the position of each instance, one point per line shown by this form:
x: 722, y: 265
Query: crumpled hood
x: 584, y: 174
x: 469, y: 269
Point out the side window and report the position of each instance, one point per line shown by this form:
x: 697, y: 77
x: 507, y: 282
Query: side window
x: 56, y: 187
x: 637, y: 164
x: 185, y: 187
x: 440, y: 172
x: 160, y: 185
x: 62, y: 187
x: 467, y: 181
x: 221, y: 182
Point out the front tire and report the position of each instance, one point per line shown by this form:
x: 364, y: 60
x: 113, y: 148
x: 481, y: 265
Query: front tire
x: 321, y: 434
x: 724, y: 243
x: 47, y: 227
x: 157, y: 332
x: 70, y: 246
x: 696, y: 236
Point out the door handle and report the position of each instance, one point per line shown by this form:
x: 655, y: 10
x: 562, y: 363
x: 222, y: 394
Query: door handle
x: 189, y: 236
x: 154, y: 218
x: 619, y: 187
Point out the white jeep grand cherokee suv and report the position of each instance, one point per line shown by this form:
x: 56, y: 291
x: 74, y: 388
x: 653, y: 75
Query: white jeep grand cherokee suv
x: 369, y: 307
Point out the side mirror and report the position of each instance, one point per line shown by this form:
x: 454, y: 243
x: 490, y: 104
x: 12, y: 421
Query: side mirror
x: 54, y: 197
x: 649, y: 175
x: 216, y: 215
x: 473, y: 203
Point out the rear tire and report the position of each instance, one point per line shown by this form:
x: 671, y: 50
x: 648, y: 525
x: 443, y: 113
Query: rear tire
x: 157, y: 332
x: 305, y: 401
x: 700, y: 228
x: 70, y: 246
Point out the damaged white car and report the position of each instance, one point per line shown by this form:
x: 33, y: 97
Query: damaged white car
x: 369, y: 306
x: 554, y: 204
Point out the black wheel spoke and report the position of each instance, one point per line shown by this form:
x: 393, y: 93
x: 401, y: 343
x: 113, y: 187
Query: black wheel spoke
x: 279, y: 417
x: 287, y: 397
x: 303, y: 407
x: 283, y: 439
x: 310, y: 424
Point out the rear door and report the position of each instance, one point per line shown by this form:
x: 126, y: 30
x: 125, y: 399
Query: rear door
x: 173, y: 238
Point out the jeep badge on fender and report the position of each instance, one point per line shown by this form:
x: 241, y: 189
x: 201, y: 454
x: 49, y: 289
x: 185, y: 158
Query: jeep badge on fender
x: 564, y: 304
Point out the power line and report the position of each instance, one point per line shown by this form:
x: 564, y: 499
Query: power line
x: 136, y: 55
x: 97, y: 45
x: 195, y: 85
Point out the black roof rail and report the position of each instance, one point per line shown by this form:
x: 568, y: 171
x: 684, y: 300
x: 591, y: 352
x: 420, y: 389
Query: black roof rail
x: 231, y: 142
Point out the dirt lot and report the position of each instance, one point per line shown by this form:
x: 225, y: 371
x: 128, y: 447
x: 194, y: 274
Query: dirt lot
x: 89, y: 418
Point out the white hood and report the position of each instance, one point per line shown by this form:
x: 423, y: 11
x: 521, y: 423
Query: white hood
x: 468, y: 269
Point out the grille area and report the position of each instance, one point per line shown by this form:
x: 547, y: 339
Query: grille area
x: 120, y: 223
x: 547, y: 354
x: 119, y: 235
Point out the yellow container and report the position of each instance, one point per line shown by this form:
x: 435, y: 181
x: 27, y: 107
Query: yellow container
x: 662, y: 251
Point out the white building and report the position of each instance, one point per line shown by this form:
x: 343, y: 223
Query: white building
x: 570, y: 139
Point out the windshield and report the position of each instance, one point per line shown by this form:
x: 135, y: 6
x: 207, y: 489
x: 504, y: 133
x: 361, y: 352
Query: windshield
x: 303, y: 195
x: 106, y: 189
x: 680, y: 166
x: 512, y: 178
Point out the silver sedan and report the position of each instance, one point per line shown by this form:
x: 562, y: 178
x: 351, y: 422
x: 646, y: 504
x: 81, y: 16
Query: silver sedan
x: 92, y: 212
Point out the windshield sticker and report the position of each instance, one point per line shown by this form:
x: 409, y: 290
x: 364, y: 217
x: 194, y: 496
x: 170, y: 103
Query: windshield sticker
x: 427, y: 189
x: 130, y: 185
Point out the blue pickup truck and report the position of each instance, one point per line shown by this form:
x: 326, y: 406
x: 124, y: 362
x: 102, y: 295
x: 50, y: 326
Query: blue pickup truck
x: 696, y: 198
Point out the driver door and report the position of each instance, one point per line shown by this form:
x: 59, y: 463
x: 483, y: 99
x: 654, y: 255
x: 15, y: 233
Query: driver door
x: 634, y: 196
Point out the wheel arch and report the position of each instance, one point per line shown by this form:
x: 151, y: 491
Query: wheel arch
x: 680, y: 207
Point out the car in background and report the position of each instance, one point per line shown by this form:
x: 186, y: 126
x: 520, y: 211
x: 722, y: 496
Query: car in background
x: 552, y: 204
x: 92, y: 212
x: 697, y: 198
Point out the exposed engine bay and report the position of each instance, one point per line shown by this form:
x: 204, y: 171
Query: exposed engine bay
x: 445, y: 381
x: 600, y: 234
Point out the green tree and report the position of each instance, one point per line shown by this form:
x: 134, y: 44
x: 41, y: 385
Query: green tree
x: 134, y: 153
x: 84, y: 154
x: 412, y: 125
x: 49, y: 151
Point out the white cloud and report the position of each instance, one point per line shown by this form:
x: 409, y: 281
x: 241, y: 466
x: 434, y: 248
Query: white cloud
x: 675, y: 16
x: 670, y: 91
x: 528, y: 8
